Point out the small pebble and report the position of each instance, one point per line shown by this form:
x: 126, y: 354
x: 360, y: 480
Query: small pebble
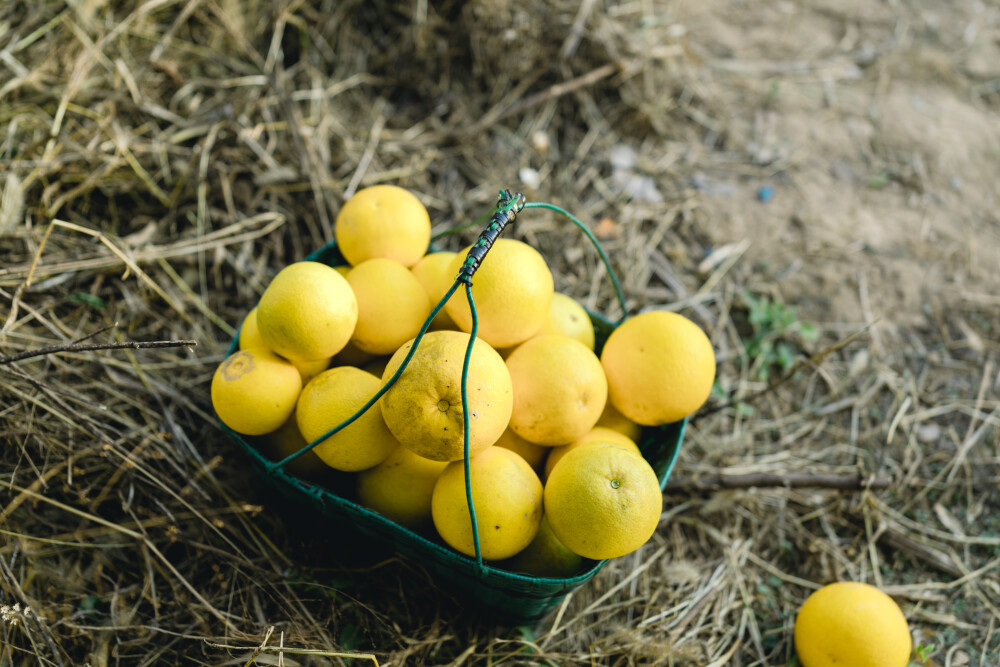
x: 530, y: 177
x: 540, y: 141
x: 928, y: 433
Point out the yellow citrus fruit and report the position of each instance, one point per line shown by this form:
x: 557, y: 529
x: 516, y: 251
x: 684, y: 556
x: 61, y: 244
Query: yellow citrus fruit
x: 603, y: 501
x: 850, y: 623
x: 329, y: 399
x: 310, y: 369
x: 287, y: 440
x: 343, y: 269
x: 546, y: 556
x: 596, y: 434
x: 383, y: 221
x: 254, y: 391
x: 568, y: 318
x: 616, y: 421
x: 512, y: 289
x: 249, y: 333
x: 529, y: 451
x: 250, y: 338
x: 423, y: 409
x: 559, y: 389
x: 432, y: 272
x: 400, y: 488
x: 507, y: 496
x: 376, y: 366
x: 392, y: 305
x: 308, y: 312
x: 660, y: 367
x: 350, y: 355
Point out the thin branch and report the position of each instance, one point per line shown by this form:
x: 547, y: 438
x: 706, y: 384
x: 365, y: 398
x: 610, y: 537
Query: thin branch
x: 788, y: 481
x: 74, y: 347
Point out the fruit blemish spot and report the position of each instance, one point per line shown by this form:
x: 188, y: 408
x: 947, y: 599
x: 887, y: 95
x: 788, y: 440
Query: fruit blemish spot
x: 615, y: 484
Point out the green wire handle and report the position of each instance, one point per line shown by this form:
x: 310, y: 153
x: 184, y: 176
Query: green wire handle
x: 509, y: 204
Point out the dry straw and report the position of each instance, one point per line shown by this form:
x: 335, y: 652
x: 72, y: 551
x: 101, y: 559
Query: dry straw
x: 161, y: 160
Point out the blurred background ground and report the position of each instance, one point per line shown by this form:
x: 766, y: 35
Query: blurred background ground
x: 787, y: 174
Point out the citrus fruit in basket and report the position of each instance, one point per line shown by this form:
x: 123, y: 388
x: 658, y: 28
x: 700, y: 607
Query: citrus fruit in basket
x: 569, y: 318
x: 329, y: 399
x: 596, y: 434
x: 660, y: 367
x: 506, y: 494
x: 383, y: 221
x: 400, y: 488
x: 392, y: 305
x: 512, y: 289
x: 603, y: 501
x: 307, y: 312
x: 423, y: 409
x: 559, y: 389
x: 432, y: 272
x: 534, y: 454
x: 546, y: 556
x: 237, y: 394
x: 616, y: 421
x: 250, y: 338
x: 850, y: 623
x: 287, y: 440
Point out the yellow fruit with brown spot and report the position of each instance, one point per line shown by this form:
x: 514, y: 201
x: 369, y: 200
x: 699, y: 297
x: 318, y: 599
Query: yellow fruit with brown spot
x: 383, y: 221
x: 392, y: 305
x: 237, y: 394
x: 423, y: 409
x: 559, y: 389
x: 328, y: 400
x: 660, y: 367
x: 603, y: 501
x: 507, y: 496
x: 307, y: 312
x: 851, y: 623
x: 512, y: 290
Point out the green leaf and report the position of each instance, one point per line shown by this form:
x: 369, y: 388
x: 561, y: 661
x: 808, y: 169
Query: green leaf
x: 88, y: 299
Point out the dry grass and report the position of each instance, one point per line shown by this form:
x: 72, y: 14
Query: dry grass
x: 162, y: 161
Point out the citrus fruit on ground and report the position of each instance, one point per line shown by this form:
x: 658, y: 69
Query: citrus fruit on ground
x: 329, y: 399
x: 850, y: 623
x: 660, y: 367
x: 559, y: 389
x: 423, y: 409
x: 596, y: 434
x: 512, y: 289
x: 603, y: 501
x: 616, y: 421
x: 534, y: 454
x: 392, y: 305
x: 250, y: 338
x: 383, y: 221
x: 569, y: 318
x: 546, y: 556
x: 254, y: 391
x: 507, y: 496
x: 307, y: 312
x: 432, y: 272
x: 400, y: 488
x: 284, y: 442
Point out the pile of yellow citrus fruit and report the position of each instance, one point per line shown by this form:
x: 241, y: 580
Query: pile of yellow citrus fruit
x: 556, y: 472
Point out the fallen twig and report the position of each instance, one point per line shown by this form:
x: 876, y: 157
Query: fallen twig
x: 790, y: 481
x: 75, y: 347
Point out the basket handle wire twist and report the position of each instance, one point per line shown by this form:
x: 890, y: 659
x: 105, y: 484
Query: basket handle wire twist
x: 509, y: 204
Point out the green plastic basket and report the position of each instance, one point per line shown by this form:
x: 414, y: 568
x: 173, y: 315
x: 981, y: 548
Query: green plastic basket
x: 507, y: 596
